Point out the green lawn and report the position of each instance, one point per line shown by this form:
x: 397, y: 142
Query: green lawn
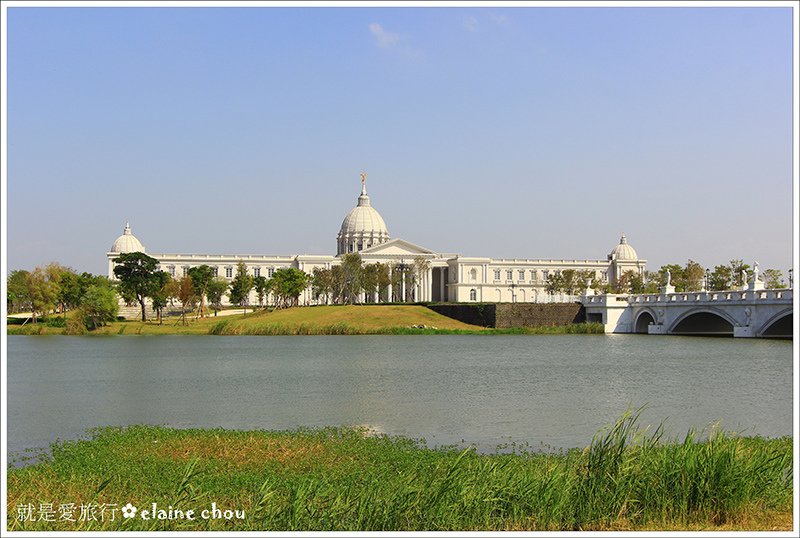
x: 350, y: 319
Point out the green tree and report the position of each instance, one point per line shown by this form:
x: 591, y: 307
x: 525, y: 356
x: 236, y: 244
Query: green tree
x: 136, y: 272
x: 554, y: 282
x: 739, y: 272
x: 215, y: 291
x: 623, y: 283
x: 241, y: 285
x: 583, y: 280
x: 73, y: 287
x: 183, y: 290
x: 721, y: 278
x: 99, y: 305
x: 352, y: 269
x: 636, y: 282
x: 17, y: 296
x: 322, y: 283
x: 261, y: 285
x: 773, y: 279
x: 201, y: 276
x: 55, y: 272
x: 42, y: 292
x: 693, y: 275
x: 652, y: 282
x: 338, y: 284
x: 369, y: 280
x: 397, y: 282
x: 677, y: 277
x: 287, y: 284
x: 383, y: 281
x: 161, y: 294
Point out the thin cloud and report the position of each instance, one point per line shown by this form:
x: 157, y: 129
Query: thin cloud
x: 470, y: 23
x: 383, y: 38
x: 499, y: 20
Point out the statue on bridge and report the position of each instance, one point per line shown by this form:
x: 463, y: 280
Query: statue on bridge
x: 757, y: 283
x: 668, y: 287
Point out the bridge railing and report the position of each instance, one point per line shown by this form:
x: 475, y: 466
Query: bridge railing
x: 714, y: 296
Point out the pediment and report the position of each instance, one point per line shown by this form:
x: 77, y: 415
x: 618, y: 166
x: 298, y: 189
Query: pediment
x: 397, y: 247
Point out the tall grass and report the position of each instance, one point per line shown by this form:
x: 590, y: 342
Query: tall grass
x: 345, y: 479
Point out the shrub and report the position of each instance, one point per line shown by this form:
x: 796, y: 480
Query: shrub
x: 76, y: 323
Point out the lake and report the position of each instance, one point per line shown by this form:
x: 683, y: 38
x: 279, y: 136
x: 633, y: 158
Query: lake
x: 537, y: 391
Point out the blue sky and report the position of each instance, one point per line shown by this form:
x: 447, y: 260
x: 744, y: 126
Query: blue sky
x: 503, y: 132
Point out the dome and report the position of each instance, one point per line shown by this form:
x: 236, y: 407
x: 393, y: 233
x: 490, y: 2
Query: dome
x: 623, y: 251
x: 127, y: 242
x: 363, y: 226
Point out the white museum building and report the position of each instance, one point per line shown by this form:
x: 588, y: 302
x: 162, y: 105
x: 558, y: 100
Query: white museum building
x: 449, y: 277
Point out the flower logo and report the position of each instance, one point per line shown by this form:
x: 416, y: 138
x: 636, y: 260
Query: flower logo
x: 129, y: 511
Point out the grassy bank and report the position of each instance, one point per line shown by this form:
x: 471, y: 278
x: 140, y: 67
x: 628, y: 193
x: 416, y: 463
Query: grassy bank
x: 330, y: 320
x: 344, y: 479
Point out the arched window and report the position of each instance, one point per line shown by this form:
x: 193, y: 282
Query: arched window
x: 473, y: 295
x: 473, y: 275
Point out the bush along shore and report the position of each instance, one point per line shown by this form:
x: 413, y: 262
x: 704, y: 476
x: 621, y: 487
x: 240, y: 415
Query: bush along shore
x: 150, y: 478
x: 319, y: 320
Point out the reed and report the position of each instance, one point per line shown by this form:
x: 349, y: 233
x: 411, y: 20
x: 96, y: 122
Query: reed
x: 348, y: 479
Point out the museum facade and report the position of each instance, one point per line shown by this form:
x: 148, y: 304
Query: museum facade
x: 445, y: 276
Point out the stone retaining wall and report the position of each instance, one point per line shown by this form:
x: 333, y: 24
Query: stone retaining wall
x: 505, y: 315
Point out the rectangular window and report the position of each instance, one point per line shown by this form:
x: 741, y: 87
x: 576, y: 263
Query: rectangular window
x: 171, y: 270
x: 257, y: 271
x: 522, y: 275
x: 545, y: 274
x: 605, y: 276
x: 185, y: 270
x: 533, y: 275
x: 497, y: 274
x: 215, y: 271
x: 270, y: 272
x: 229, y: 272
x: 509, y: 275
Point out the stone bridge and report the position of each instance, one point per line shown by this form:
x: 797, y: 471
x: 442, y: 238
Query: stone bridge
x: 739, y: 313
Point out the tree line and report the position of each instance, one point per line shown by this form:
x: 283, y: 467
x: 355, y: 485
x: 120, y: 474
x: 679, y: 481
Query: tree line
x: 94, y: 299
x: 140, y: 279
x: 54, y: 288
x: 690, y: 277
x: 353, y: 281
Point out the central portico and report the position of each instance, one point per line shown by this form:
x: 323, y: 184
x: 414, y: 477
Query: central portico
x: 429, y: 275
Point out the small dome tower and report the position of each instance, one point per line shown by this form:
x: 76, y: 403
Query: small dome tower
x: 127, y: 242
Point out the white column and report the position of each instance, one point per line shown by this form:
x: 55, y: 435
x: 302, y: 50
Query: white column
x: 442, y: 292
x: 429, y: 284
x: 389, y: 289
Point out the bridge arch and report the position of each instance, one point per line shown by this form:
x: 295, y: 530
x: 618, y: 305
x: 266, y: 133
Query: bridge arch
x: 778, y: 326
x: 704, y: 321
x: 644, y: 318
